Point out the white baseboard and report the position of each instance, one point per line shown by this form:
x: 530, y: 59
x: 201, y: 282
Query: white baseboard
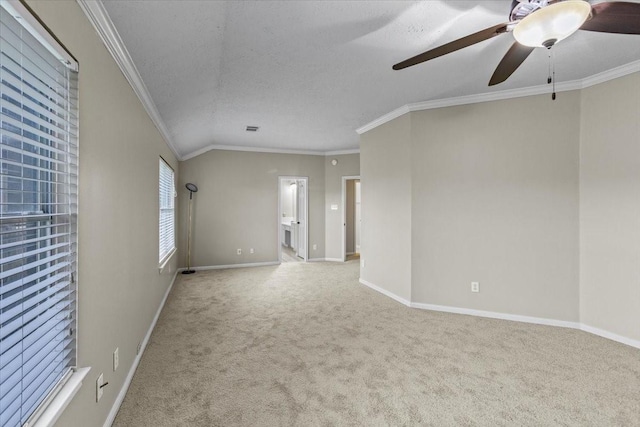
x: 220, y: 267
x: 386, y: 292
x: 506, y: 316
x: 334, y: 260
x: 610, y: 335
x: 325, y: 260
x: 497, y: 315
x: 127, y: 382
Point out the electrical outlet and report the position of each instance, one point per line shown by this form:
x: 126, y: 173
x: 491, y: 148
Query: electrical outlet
x: 315, y: 247
x: 251, y: 250
x: 239, y: 251
x: 116, y: 359
x: 99, y: 383
x: 475, y: 286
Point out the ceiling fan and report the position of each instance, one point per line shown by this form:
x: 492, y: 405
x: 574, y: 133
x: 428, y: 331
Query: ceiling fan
x: 542, y: 23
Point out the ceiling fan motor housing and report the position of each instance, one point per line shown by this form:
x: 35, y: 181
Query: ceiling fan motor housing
x: 523, y: 8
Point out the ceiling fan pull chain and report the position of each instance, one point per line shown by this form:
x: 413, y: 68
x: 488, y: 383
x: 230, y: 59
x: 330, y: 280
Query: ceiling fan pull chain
x: 549, y: 78
x: 553, y: 78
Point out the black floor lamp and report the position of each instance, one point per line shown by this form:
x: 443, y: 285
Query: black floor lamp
x: 192, y: 189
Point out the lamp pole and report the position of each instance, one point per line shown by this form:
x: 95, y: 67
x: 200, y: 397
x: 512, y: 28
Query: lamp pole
x: 192, y: 189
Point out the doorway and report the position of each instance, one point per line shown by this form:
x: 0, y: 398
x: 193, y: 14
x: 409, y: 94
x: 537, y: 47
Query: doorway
x: 293, y: 230
x: 351, y: 217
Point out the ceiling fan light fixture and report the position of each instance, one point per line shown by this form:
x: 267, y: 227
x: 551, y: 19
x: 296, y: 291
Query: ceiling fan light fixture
x: 551, y: 24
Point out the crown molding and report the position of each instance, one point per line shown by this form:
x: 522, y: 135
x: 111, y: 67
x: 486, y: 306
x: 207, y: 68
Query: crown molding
x: 605, y: 76
x: 384, y: 119
x: 250, y: 149
x: 342, y: 152
x: 99, y: 18
x: 614, y: 73
x: 197, y: 152
x: 267, y: 150
x: 494, y: 96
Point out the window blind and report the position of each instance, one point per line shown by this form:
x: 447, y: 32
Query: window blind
x: 167, y: 211
x: 38, y: 220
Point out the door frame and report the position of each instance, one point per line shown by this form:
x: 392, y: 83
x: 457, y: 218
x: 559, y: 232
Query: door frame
x: 306, y: 216
x: 344, y: 212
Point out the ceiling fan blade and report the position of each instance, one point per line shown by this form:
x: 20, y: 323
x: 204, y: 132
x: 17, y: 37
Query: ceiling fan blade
x: 453, y: 46
x: 510, y: 62
x: 614, y: 17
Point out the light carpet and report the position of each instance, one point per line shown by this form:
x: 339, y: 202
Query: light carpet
x: 304, y: 344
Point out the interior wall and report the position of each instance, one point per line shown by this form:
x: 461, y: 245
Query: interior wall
x: 610, y: 207
x: 385, y: 172
x: 536, y: 200
x: 236, y: 206
x: 119, y: 285
x: 495, y: 200
x: 348, y: 165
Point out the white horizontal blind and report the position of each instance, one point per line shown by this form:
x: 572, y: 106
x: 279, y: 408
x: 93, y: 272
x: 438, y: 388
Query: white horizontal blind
x: 38, y: 221
x: 167, y: 211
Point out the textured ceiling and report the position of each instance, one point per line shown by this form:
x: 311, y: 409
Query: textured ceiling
x: 311, y: 72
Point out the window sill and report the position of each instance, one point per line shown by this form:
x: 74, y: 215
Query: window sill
x: 166, y: 260
x: 54, y: 409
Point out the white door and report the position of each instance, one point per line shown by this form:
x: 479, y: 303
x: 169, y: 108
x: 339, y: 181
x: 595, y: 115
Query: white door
x: 357, y: 219
x: 301, y: 249
x: 294, y: 202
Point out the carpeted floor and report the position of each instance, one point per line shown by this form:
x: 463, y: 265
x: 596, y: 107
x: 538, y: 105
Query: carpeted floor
x: 307, y: 345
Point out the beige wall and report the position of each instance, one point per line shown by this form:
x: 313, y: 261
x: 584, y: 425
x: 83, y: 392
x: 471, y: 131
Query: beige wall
x: 237, y: 205
x: 495, y: 200
x: 348, y: 165
x: 537, y: 200
x: 119, y: 286
x: 610, y: 207
x: 385, y: 171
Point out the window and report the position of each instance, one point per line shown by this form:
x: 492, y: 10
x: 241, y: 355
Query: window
x: 38, y: 216
x: 167, y: 212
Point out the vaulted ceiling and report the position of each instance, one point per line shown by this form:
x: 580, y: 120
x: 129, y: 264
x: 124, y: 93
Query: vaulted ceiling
x: 309, y: 73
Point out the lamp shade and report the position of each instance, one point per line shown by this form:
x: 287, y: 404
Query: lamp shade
x: 551, y: 24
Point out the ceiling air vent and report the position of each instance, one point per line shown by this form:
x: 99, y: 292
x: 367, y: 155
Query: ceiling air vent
x: 252, y: 128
